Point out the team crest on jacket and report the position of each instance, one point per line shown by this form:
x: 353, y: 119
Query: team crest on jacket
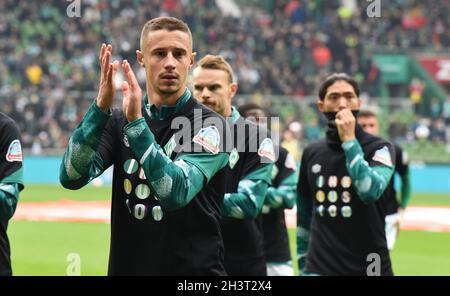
x: 383, y: 156
x: 316, y: 168
x: 208, y: 138
x: 14, y: 151
x: 266, y: 149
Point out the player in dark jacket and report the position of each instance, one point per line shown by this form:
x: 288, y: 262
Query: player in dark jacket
x: 280, y: 196
x: 249, y: 170
x: 395, y: 210
x: 168, y: 160
x: 341, y: 189
x: 11, y: 184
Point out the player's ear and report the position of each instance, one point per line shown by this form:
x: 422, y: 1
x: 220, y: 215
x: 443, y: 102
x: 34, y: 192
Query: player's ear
x: 233, y: 88
x: 358, y: 103
x: 320, y: 105
x: 192, y: 62
x: 140, y: 58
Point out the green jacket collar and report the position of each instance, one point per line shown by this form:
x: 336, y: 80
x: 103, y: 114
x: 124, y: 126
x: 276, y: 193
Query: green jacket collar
x: 165, y: 110
x: 234, y: 115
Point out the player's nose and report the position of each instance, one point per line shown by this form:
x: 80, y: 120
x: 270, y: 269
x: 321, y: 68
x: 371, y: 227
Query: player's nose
x: 205, y: 94
x: 343, y: 103
x: 169, y: 61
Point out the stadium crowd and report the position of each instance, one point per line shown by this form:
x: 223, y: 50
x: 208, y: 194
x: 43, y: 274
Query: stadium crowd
x: 49, y: 60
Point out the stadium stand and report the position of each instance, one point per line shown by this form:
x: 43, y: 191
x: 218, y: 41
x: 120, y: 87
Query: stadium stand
x: 48, y: 74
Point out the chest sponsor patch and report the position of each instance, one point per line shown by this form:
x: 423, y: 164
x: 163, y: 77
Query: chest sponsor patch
x: 346, y: 182
x: 320, y: 196
x: 332, y: 181
x: 142, y: 174
x: 383, y: 156
x: 130, y: 166
x: 332, y: 196
x: 266, y: 149
x: 320, y: 181
x: 346, y: 211
x: 140, y: 211
x: 332, y: 211
x: 208, y: 138
x: 320, y: 209
x: 157, y: 213
x: 127, y: 186
x: 346, y: 197
x: 14, y: 152
x: 142, y: 191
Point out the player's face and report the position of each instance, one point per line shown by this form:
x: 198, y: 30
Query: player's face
x: 167, y: 57
x: 213, y: 89
x: 340, y: 95
x: 369, y: 124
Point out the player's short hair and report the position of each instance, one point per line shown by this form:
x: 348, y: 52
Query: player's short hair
x: 366, y: 113
x: 244, y: 108
x: 216, y: 62
x: 163, y: 23
x: 330, y: 80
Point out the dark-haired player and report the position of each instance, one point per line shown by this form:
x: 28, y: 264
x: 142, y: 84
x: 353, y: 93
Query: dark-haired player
x: 341, y: 188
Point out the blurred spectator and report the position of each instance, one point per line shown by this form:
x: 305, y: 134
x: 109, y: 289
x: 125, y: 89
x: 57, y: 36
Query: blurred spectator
x: 397, y: 132
x: 291, y: 143
x: 437, y: 131
x: 421, y: 129
x: 416, y: 88
x: 49, y: 60
x: 312, y: 130
x: 446, y: 117
x: 435, y: 108
x: 34, y: 74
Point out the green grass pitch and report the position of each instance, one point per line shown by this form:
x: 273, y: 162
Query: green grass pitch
x: 41, y: 248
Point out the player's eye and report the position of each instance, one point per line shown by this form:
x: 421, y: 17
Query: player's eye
x: 159, y: 54
x: 178, y: 54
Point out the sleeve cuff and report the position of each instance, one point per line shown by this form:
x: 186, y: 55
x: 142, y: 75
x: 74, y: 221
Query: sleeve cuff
x: 97, y: 112
x: 140, y: 138
x: 132, y: 124
x: 351, y: 148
